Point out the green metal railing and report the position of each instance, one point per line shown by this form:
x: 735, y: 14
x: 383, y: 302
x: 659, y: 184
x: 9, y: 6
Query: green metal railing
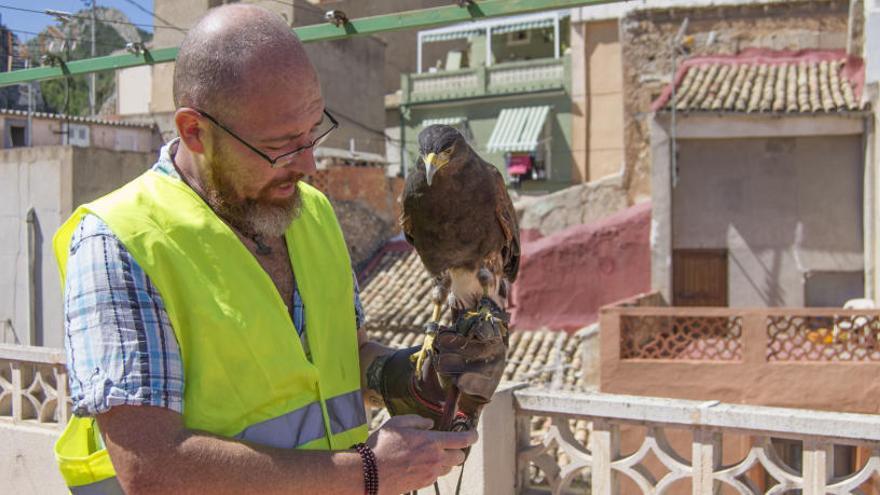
x: 478, y: 81
x: 415, y: 19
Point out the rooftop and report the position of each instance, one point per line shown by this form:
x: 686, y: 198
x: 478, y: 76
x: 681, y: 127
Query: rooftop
x: 767, y: 81
x: 76, y: 119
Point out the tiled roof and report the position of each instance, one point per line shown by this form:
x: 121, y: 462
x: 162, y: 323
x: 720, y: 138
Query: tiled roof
x: 543, y: 358
x: 76, y: 119
x: 395, y: 290
x: 768, y: 82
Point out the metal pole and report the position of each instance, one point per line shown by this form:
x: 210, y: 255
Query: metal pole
x: 92, y: 75
x: 414, y: 19
x: 676, y: 43
x: 556, y: 49
x: 30, y: 220
x: 30, y: 114
x: 419, y: 55
x: 488, y: 46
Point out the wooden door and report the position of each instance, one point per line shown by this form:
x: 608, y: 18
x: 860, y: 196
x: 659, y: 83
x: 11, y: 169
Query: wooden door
x: 699, y: 277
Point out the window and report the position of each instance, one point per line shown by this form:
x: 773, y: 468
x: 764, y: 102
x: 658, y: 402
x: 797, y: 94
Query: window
x: 18, y: 136
x: 831, y: 289
x: 15, y: 133
x: 519, y: 38
x: 78, y: 135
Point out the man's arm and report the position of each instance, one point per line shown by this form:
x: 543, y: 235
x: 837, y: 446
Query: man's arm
x: 371, y: 355
x: 153, y: 452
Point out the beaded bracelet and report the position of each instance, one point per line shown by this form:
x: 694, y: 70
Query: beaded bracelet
x: 371, y: 469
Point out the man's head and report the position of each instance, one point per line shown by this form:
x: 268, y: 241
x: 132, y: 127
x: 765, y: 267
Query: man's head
x: 241, y: 77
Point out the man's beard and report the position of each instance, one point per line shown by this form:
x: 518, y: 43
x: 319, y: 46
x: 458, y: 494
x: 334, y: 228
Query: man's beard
x: 250, y: 216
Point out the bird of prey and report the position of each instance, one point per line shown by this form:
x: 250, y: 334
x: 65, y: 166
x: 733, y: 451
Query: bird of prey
x: 458, y: 216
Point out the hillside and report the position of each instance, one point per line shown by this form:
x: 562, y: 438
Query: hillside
x: 111, y: 34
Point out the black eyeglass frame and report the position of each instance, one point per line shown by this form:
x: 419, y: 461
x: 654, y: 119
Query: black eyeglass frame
x: 273, y: 162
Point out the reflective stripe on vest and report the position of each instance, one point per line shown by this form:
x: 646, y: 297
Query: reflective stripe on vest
x: 289, y: 430
x: 305, y: 424
x: 346, y: 411
x: 109, y: 486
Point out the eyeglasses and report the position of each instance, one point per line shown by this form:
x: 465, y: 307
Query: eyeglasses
x: 322, y: 131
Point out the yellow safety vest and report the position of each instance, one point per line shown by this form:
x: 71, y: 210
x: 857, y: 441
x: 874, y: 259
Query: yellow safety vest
x: 247, y: 375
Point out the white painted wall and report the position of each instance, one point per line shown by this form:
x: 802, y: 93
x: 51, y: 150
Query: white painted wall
x: 133, y: 90
x: 52, y: 180
x: 29, y: 466
x: 782, y: 207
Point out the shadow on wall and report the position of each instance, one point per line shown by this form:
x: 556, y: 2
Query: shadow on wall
x: 566, y: 277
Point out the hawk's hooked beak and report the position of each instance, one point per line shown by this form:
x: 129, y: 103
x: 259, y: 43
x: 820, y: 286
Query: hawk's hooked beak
x: 430, y: 167
x: 433, y: 163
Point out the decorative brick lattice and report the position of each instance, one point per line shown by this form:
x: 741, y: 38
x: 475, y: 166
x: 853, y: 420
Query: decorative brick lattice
x: 823, y: 338
x: 716, y: 338
x: 29, y: 391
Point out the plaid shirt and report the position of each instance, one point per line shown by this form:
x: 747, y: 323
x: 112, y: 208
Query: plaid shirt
x: 121, y: 347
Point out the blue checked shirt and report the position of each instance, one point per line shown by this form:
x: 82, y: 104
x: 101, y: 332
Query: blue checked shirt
x: 121, y: 348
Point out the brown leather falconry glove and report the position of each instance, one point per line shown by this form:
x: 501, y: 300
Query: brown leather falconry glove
x: 459, y: 372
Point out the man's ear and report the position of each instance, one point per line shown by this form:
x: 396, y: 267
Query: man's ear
x: 188, y: 123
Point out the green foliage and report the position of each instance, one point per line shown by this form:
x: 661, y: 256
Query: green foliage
x: 72, y: 95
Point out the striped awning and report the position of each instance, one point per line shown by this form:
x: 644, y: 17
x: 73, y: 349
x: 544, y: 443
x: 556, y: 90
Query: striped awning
x: 450, y: 121
x: 453, y: 35
x: 518, y: 129
x: 523, y: 26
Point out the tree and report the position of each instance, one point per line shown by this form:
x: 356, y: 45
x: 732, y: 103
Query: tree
x: 109, y: 38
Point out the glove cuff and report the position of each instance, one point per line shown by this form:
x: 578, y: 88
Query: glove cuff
x: 403, y: 389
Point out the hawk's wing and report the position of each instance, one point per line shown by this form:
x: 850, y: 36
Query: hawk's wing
x: 506, y: 216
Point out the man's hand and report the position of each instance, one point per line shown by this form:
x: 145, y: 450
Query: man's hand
x: 411, y: 456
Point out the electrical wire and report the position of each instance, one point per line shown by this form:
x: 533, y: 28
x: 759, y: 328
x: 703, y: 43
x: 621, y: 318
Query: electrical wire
x: 150, y: 12
x: 71, y: 38
x: 88, y: 18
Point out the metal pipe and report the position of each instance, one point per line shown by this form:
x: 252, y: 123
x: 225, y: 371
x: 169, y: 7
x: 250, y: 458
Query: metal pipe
x: 556, y: 48
x: 31, y: 220
x: 488, y: 46
x: 419, y: 55
x: 30, y: 113
x: 92, y: 75
x: 414, y: 19
x: 676, y: 43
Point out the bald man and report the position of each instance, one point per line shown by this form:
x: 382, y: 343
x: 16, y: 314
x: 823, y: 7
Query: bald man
x: 212, y: 319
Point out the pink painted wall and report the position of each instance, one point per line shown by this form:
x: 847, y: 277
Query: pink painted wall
x: 566, y: 277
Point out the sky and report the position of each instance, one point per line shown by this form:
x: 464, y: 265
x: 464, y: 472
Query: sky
x: 34, y: 22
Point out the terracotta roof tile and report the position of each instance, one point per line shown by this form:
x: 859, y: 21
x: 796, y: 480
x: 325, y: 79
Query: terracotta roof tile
x: 762, y: 81
x: 542, y: 358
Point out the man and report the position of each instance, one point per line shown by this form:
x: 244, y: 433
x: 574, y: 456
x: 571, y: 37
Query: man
x: 186, y: 288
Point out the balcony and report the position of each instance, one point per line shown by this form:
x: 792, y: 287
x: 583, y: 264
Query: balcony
x: 539, y: 441
x: 817, y: 358
x: 550, y: 74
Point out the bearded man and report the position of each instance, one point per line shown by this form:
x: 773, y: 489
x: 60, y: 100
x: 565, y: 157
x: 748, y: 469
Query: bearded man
x: 212, y: 319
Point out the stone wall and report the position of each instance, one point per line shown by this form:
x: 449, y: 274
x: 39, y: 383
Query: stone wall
x: 541, y: 216
x: 367, y: 205
x: 647, y: 35
x: 566, y: 277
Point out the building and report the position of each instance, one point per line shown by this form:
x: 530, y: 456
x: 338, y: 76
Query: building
x: 507, y: 90
x: 758, y: 165
x: 146, y: 92
x: 39, y: 189
x: 21, y: 129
